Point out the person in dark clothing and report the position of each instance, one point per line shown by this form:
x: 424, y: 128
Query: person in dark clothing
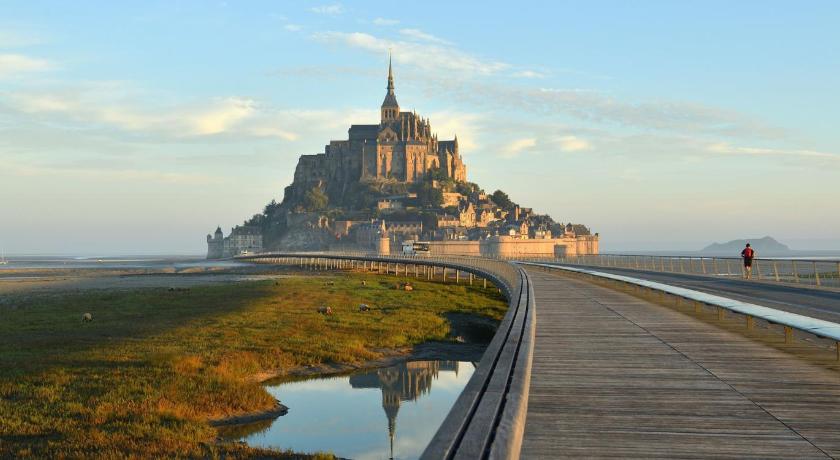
x: 748, y: 254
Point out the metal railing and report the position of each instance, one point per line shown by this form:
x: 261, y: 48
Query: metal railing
x: 817, y: 273
x: 789, y: 321
x: 506, y: 274
x: 488, y: 418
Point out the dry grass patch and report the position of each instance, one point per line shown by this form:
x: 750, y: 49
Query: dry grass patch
x: 143, y: 378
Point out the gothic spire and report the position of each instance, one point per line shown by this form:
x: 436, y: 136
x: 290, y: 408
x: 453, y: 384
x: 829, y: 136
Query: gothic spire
x: 390, y: 75
x: 390, y: 98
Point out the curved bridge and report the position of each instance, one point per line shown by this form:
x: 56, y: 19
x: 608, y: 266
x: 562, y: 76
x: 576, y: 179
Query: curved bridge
x: 628, y: 368
x: 488, y: 418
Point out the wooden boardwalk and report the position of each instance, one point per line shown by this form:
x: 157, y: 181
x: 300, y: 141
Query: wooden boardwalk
x: 617, y: 376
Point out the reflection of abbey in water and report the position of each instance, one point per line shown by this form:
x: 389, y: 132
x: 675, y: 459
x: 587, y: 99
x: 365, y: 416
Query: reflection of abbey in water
x: 403, y: 382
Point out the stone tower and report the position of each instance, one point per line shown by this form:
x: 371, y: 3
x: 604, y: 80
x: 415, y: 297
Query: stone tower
x: 384, y: 243
x: 215, y: 244
x: 390, y: 110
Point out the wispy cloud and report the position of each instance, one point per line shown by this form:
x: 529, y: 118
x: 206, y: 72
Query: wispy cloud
x: 528, y: 74
x: 572, y: 144
x: 385, y: 22
x: 727, y: 149
x: 598, y: 108
x: 544, y: 143
x: 517, y: 147
x: 468, y: 80
x: 427, y: 56
x: 226, y: 114
x: 293, y: 27
x: 91, y: 104
x: 333, y: 9
x: 418, y: 34
x: 17, y: 64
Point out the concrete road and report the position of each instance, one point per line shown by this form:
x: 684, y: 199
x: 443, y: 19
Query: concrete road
x: 816, y: 303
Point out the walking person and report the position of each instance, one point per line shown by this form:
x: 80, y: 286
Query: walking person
x: 748, y: 254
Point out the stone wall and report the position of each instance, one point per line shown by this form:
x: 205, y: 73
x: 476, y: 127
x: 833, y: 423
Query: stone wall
x: 455, y: 248
x: 512, y: 247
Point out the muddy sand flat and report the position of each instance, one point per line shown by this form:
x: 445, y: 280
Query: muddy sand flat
x: 33, y: 281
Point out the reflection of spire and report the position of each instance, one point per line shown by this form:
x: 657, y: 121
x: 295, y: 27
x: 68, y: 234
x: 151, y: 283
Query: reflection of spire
x: 392, y: 428
x: 403, y: 382
x: 391, y: 404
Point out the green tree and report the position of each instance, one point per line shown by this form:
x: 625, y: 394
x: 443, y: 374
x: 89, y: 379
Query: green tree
x: 428, y: 196
x: 315, y: 200
x: 256, y: 219
x: 359, y: 196
x: 270, y: 208
x: 466, y: 188
x: 502, y: 199
x: 436, y: 174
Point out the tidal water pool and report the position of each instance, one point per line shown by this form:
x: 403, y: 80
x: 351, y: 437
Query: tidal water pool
x: 384, y: 413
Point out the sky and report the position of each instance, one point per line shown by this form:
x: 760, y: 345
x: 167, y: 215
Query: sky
x: 138, y: 127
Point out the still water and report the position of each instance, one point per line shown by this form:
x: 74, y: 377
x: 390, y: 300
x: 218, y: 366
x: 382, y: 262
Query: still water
x: 378, y: 414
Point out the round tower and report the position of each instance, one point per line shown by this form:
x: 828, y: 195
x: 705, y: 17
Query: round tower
x: 384, y: 244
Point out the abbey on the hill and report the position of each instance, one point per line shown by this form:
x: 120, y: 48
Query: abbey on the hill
x: 401, y: 147
x: 394, y: 182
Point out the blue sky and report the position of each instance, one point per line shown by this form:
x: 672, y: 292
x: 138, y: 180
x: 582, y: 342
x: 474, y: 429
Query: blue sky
x: 132, y: 127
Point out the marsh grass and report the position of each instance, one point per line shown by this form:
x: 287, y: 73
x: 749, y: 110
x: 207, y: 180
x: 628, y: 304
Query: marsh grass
x: 144, y: 377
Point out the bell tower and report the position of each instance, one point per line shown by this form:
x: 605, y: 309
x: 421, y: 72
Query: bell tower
x: 390, y: 110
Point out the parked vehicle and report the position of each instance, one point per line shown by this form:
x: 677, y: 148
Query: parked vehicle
x: 415, y: 248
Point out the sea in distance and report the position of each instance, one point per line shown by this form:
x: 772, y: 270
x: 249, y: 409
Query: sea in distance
x: 826, y: 255
x: 182, y: 262
x: 17, y: 262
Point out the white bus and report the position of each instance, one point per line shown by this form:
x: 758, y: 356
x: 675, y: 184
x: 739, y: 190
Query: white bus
x: 415, y: 248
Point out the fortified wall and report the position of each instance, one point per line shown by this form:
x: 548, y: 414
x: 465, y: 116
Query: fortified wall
x: 513, y: 247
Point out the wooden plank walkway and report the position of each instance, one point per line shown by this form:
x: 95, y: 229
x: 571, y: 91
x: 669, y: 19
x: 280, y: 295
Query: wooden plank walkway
x: 618, y: 376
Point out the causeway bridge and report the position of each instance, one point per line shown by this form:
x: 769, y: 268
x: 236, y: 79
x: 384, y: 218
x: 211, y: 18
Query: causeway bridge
x: 597, y: 358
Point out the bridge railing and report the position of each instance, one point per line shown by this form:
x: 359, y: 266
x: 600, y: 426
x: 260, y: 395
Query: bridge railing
x: 789, y: 321
x: 506, y: 274
x: 488, y: 418
x: 817, y: 273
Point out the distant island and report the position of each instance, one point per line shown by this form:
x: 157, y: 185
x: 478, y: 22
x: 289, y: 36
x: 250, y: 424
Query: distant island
x: 393, y: 186
x: 763, y: 246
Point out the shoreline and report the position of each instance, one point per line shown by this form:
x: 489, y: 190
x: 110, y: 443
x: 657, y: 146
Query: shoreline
x: 306, y: 372
x: 269, y: 414
x: 426, y: 351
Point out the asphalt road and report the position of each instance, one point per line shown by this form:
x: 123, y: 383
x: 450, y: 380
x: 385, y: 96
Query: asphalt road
x: 816, y: 303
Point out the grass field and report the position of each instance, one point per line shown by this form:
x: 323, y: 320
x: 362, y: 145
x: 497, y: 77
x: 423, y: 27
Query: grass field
x: 144, y: 377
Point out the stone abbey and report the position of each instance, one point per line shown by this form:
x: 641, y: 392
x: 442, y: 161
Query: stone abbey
x: 401, y: 147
